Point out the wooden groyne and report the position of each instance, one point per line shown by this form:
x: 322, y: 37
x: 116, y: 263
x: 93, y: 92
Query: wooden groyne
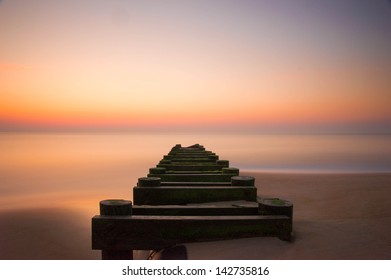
x: 190, y: 196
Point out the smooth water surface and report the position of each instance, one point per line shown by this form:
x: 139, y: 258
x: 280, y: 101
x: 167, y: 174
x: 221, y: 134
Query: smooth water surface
x: 51, y: 183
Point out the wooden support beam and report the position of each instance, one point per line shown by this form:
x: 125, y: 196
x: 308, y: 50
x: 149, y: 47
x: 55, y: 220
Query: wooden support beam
x: 157, y: 232
x: 173, y: 162
x: 194, y: 177
x: 189, y: 155
x: 181, y: 195
x: 181, y: 167
x: 195, y: 184
x: 216, y: 209
x: 194, y: 159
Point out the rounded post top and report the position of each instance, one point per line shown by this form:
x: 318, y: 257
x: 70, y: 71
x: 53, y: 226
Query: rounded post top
x: 149, y: 182
x: 243, y: 181
x: 115, y: 207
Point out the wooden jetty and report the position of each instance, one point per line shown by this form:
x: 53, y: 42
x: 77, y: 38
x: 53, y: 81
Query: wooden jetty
x: 190, y: 196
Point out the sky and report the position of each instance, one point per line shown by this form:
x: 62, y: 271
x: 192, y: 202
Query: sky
x: 202, y: 64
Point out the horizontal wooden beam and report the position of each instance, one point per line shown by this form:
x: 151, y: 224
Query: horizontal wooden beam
x: 157, y: 232
x: 194, y: 177
x: 177, y: 195
x: 192, y: 159
x: 189, y: 152
x: 224, y: 209
x: 184, y: 155
x: 195, y: 184
x: 181, y: 167
x: 200, y: 163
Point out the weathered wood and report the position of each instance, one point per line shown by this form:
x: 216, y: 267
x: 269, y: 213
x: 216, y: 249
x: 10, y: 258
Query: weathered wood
x: 116, y: 208
x: 149, y: 182
x: 230, y: 170
x: 189, y: 155
x: 194, y: 177
x: 190, y: 196
x: 213, y: 157
x: 227, y: 209
x: 157, y: 232
x: 242, y: 181
x: 193, y: 151
x: 200, y: 163
x: 193, y: 159
x: 223, y: 163
x: 195, y: 184
x: 198, y: 172
x: 157, y: 170
x: 181, y: 195
x: 276, y: 206
x: 182, y: 167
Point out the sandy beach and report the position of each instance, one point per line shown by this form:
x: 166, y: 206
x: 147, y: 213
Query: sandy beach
x: 336, y: 216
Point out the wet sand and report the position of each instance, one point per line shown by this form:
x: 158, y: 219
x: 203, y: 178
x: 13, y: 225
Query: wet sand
x: 45, y: 234
x: 336, y: 216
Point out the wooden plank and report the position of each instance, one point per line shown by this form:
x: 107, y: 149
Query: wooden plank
x: 198, y: 172
x: 195, y: 184
x: 190, y: 152
x: 192, y: 159
x: 199, y: 167
x: 193, y: 177
x: 180, y: 195
x: 173, y: 162
x: 215, y: 209
x: 188, y: 155
x: 156, y: 232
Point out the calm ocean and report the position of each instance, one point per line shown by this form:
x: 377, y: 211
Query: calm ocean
x: 44, y: 175
x: 71, y: 166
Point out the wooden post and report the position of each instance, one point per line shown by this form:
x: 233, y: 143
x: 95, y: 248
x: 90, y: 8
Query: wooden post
x: 149, y: 182
x: 276, y: 206
x: 116, y: 207
x: 244, y: 181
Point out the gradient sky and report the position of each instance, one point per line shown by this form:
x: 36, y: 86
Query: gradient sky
x: 199, y: 64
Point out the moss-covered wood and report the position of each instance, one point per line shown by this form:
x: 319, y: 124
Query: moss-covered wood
x: 188, y: 197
